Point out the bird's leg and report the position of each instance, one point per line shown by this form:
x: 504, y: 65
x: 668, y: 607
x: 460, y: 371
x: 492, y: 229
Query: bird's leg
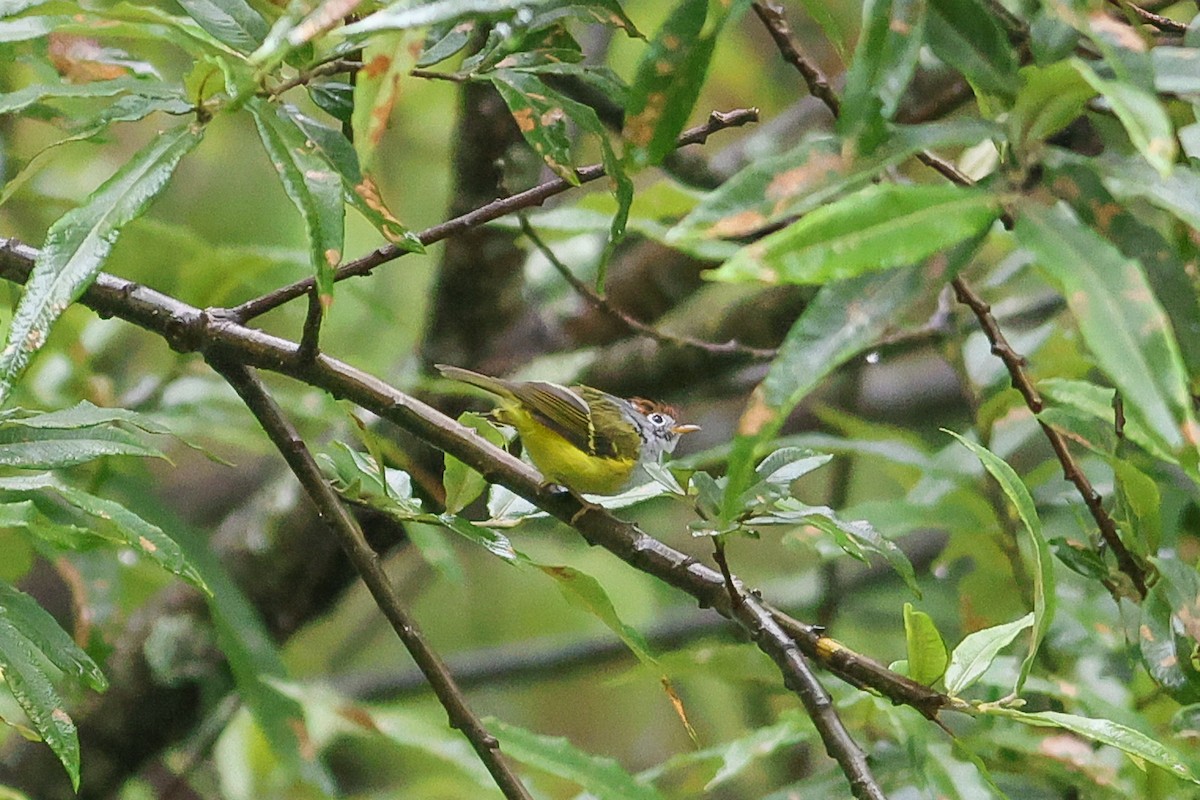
x: 585, y: 505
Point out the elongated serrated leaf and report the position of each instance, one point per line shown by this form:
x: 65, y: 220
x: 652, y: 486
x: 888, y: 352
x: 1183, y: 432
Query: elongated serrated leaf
x: 1134, y: 744
x: 1043, y: 565
x: 311, y: 182
x: 401, y: 16
x: 1165, y: 647
x: 966, y: 35
x: 13, y: 102
x: 976, y: 652
x: 885, y: 59
x: 360, y: 190
x: 599, y: 776
x: 142, y: 536
x: 859, y: 536
x: 927, y: 656
x: 842, y: 320
x: 810, y: 175
x: 668, y: 80
x: 1121, y: 321
x: 37, y: 697
x: 41, y: 629
x: 387, y: 60
x: 77, y: 245
x: 584, y: 591
x: 356, y: 478
x: 1143, y: 117
x: 541, y: 117
x: 233, y: 22
x: 35, y: 448
x: 877, y: 228
x: 1050, y: 98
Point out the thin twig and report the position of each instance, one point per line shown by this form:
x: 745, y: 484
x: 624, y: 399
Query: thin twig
x: 1165, y: 24
x: 1015, y: 363
x: 773, y: 18
x: 291, y: 446
x: 247, y: 311
x: 430, y: 74
x: 735, y: 597
x: 304, y: 78
x: 631, y: 323
x: 310, y: 334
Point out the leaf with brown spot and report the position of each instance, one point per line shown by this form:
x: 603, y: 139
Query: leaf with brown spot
x: 311, y: 183
x: 668, y: 81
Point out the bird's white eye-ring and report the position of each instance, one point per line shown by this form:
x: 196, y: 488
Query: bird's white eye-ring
x: 657, y: 419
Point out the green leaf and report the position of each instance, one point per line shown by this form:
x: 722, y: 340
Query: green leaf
x: 1134, y: 744
x: 37, y: 697
x: 1121, y: 321
x: 1043, y: 565
x: 24, y: 97
x: 335, y: 98
x: 25, y: 448
x: 877, y: 228
x: 976, y: 652
x: 668, y: 80
x: 1097, y: 402
x: 403, y: 17
x: 810, y: 175
x: 542, y: 115
x: 1166, y: 649
x: 597, y: 775
x: 358, y: 479
x: 142, y: 536
x: 359, y: 189
x: 1177, y: 193
x: 927, y: 656
x: 312, y: 184
x: 966, y: 35
x: 1144, y: 118
x: 585, y: 592
x: 1050, y: 99
x: 233, y: 22
x: 78, y: 244
x: 462, y: 483
x: 387, y: 61
x: 542, y: 118
x: 44, y: 632
x: 885, y: 59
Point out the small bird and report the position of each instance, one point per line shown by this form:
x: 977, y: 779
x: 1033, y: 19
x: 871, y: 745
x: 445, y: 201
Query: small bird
x: 587, y: 440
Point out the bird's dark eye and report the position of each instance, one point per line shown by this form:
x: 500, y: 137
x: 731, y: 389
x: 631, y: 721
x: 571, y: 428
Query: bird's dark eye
x: 657, y: 419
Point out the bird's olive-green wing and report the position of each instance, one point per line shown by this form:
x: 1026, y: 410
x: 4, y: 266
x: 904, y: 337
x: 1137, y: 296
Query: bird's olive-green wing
x: 569, y: 413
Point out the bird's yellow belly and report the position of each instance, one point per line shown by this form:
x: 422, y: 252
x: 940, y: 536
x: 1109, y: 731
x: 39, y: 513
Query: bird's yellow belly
x: 564, y: 463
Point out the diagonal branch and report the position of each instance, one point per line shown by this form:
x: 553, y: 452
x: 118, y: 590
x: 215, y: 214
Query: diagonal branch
x: 189, y: 329
x: 291, y: 446
x: 1015, y: 363
x: 529, y: 198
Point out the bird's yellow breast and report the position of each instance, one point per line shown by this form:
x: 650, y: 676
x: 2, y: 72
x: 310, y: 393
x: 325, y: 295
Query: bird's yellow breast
x: 564, y: 463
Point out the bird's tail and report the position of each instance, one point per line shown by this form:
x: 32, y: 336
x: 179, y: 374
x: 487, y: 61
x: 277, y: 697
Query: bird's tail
x: 497, y: 386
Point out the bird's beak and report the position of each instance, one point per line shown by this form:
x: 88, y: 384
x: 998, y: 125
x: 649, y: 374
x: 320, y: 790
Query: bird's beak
x: 685, y: 428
